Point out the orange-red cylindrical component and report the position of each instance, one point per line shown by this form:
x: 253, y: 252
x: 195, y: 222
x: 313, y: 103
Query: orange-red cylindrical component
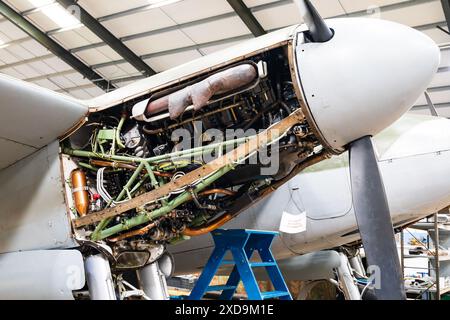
x: 80, y: 192
x: 216, y: 224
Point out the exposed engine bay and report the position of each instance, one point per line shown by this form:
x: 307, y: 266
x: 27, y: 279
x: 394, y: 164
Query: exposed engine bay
x: 185, y: 160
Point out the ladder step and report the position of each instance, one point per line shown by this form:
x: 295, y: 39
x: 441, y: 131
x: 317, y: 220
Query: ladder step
x: 227, y: 262
x: 220, y: 288
x: 262, y: 264
x: 274, y: 294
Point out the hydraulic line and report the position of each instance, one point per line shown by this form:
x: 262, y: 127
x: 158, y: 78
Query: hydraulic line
x: 119, y: 129
x: 146, y: 229
x: 122, y: 165
x: 125, y: 190
x: 184, y: 153
x: 149, y: 216
x: 219, y: 222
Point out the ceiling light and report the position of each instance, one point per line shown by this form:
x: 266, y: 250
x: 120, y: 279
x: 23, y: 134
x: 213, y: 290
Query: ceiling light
x: 56, y: 13
x: 160, y: 3
x: 4, y: 45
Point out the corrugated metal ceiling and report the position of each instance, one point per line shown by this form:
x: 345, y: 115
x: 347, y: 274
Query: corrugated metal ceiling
x: 168, y: 36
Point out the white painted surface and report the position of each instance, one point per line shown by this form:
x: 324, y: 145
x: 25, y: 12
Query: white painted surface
x: 33, y: 215
x: 32, y: 117
x: 41, y: 275
x: 366, y: 77
x: 416, y: 186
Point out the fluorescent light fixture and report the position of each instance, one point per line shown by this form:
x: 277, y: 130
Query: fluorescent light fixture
x: 160, y: 3
x: 57, y: 13
x: 4, y: 44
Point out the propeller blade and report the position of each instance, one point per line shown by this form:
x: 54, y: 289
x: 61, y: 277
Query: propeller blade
x: 374, y: 220
x: 433, y: 110
x: 318, y: 29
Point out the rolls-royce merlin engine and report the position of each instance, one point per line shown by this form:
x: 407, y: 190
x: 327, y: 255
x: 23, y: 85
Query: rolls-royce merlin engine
x: 185, y: 159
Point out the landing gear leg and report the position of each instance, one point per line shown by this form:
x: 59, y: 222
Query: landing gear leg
x: 357, y: 265
x: 346, y: 279
x: 153, y: 282
x: 99, y: 278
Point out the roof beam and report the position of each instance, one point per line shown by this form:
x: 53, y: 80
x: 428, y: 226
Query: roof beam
x: 178, y: 50
x: 100, y: 31
x: 53, y: 46
x: 446, y: 7
x: 213, y: 18
x: 247, y: 17
x: 166, y: 52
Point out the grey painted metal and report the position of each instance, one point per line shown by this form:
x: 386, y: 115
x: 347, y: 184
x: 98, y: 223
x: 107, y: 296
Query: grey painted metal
x: 437, y: 264
x: 99, y: 278
x: 150, y: 56
x: 357, y: 265
x: 429, y: 26
x: 312, y: 266
x: 171, y: 28
x: 153, y: 282
x: 443, y: 30
x: 41, y: 275
x: 53, y: 46
x: 25, y: 61
x: 187, y: 24
x: 446, y: 8
x: 439, y: 88
x: 181, y: 25
x: 33, y: 214
x: 374, y: 219
x: 100, y: 31
x: 247, y: 17
x: 436, y: 105
x: 431, y: 105
x: 166, y: 265
x: 346, y: 279
x: 177, y: 50
x: 146, y: 7
x: 50, y: 75
x: 262, y: 7
x: 402, y: 252
x: 215, y: 18
x: 68, y: 89
x: 36, y: 116
x: 33, y: 117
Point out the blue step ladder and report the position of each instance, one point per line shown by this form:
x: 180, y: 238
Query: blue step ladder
x: 242, y: 244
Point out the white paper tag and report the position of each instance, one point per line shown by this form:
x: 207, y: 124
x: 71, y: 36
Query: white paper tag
x: 293, y: 224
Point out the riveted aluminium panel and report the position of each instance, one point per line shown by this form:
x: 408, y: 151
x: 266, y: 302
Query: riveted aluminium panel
x: 33, y: 214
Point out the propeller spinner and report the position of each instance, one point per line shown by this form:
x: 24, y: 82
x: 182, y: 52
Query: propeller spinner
x: 355, y: 86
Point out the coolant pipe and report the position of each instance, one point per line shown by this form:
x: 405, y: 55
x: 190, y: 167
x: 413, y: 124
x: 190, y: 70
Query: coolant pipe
x: 118, y: 131
x: 125, y: 190
x: 140, y: 232
x: 211, y: 147
x: 147, y: 217
x: 146, y: 229
x: 115, y: 165
x: 216, y: 224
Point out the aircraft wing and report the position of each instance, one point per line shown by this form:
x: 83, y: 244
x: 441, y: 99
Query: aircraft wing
x: 32, y: 117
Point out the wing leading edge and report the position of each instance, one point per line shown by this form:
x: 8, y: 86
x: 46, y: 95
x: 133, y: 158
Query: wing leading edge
x: 31, y: 117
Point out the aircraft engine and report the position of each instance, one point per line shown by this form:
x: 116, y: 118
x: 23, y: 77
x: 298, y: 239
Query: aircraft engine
x: 186, y: 159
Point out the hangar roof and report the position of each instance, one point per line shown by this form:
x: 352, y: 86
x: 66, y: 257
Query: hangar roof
x: 118, y: 41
